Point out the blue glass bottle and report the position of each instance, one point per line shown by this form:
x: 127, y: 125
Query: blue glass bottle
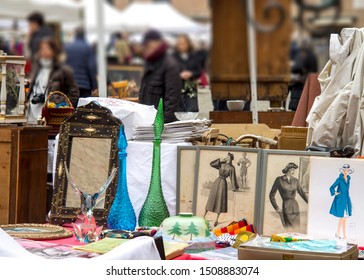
x: 122, y: 215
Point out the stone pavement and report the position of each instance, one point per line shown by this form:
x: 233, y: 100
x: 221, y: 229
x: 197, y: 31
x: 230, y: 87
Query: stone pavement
x: 204, y: 103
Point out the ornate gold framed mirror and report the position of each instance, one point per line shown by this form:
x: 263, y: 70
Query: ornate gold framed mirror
x: 88, y: 146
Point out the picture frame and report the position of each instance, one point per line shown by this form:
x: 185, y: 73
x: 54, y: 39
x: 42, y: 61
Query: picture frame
x: 283, y: 204
x: 186, y: 178
x: 117, y: 73
x: 218, y: 174
x: 337, y: 212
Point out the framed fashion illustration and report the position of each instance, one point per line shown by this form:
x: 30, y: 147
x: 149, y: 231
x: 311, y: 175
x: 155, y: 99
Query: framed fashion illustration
x: 226, y: 184
x: 336, y: 209
x: 285, y: 191
x: 186, y: 173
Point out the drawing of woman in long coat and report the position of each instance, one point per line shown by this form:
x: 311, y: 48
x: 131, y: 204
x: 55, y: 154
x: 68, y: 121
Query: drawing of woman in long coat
x: 218, y: 197
x: 288, y: 186
x: 341, y: 205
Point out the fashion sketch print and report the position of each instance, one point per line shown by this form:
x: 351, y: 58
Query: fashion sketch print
x: 186, y: 169
x: 337, y: 210
x: 286, y: 193
x: 226, y: 185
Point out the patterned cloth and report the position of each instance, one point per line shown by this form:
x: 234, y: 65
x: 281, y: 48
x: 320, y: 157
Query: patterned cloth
x: 226, y: 239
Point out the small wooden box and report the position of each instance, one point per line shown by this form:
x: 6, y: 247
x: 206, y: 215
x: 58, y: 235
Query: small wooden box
x: 292, y: 138
x: 259, y: 253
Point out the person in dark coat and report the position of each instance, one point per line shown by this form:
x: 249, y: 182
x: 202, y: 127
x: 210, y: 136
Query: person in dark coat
x: 49, y: 74
x: 218, y: 197
x: 288, y: 186
x: 37, y: 31
x: 341, y: 205
x: 161, y: 76
x: 203, y: 56
x: 190, y: 71
x: 82, y: 59
x: 304, y: 63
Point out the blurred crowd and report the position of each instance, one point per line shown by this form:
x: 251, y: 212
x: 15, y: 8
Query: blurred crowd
x: 172, y: 72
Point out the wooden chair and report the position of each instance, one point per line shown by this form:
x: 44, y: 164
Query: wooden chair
x: 119, y: 90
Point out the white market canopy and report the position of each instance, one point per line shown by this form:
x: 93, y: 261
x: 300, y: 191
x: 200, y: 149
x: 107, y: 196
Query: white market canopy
x: 53, y: 10
x: 138, y: 17
x: 112, y: 16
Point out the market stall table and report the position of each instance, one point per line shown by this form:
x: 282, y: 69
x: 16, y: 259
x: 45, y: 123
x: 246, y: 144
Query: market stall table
x: 141, y: 248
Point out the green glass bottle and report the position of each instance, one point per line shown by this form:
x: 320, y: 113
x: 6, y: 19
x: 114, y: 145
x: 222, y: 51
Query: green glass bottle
x: 154, y: 209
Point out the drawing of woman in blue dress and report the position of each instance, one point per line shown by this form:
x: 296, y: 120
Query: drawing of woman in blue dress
x: 341, y: 206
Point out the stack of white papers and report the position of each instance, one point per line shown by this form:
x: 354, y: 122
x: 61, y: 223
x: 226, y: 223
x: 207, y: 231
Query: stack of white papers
x: 175, y: 132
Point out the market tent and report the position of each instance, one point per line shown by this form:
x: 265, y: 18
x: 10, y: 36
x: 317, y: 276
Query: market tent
x: 54, y: 10
x: 112, y: 16
x: 138, y: 17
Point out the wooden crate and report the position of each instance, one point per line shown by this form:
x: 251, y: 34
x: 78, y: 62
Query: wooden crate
x: 292, y: 138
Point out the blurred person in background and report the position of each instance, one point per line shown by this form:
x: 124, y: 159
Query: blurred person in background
x: 304, y: 62
x: 136, y: 53
x: 37, y: 31
x: 16, y: 46
x: 82, y: 59
x: 190, y: 71
x: 202, y: 55
x: 122, y: 49
x: 4, y: 45
x: 49, y: 74
x: 161, y: 77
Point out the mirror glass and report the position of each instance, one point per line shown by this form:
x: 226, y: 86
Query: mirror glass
x: 88, y: 167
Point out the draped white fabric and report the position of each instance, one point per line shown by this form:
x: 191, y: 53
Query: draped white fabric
x: 141, y: 248
x: 336, y: 118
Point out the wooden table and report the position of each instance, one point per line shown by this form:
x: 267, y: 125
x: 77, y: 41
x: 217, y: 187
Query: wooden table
x: 272, y: 119
x: 23, y: 173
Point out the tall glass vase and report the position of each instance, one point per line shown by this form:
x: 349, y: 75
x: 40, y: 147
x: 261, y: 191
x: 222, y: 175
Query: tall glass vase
x: 121, y: 214
x: 155, y: 210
